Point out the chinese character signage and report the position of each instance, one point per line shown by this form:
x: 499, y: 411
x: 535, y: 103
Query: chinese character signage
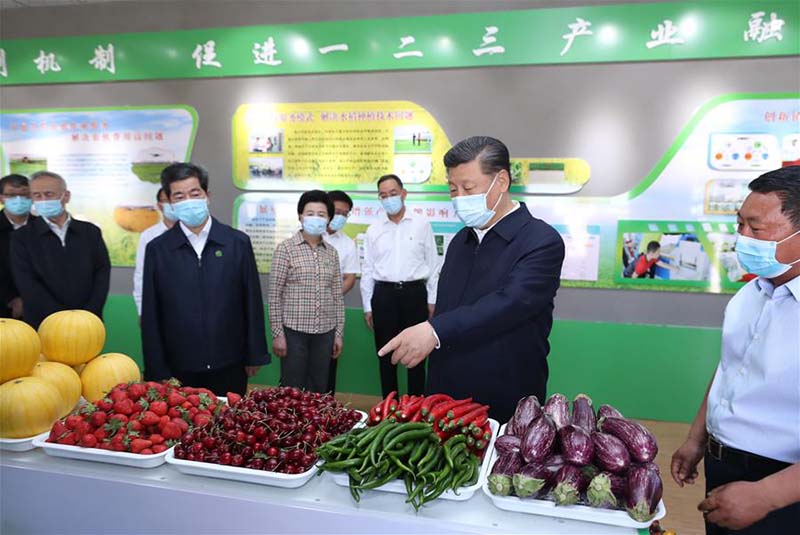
x: 607, y: 33
x: 111, y: 159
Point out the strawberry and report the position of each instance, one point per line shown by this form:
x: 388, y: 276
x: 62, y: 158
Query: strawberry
x: 150, y: 418
x: 160, y: 408
x: 194, y: 399
x: 105, y: 446
x: 175, y: 399
x: 72, y: 421
x: 59, y: 428
x: 164, y: 420
x: 134, y: 425
x: 117, y: 395
x: 105, y: 404
x: 88, y: 441
x: 174, y: 412
x: 189, y: 390
x: 136, y: 391
x: 159, y: 448
x: 171, y: 431
x: 101, y: 434
x: 69, y: 439
x: 192, y: 412
x: 121, y: 417
x: 83, y: 427
x: 207, y: 392
x: 186, y: 405
x: 201, y: 419
x: 138, y: 444
x: 123, y: 406
x: 98, y: 418
x: 156, y: 439
x: 182, y: 424
x: 146, y: 451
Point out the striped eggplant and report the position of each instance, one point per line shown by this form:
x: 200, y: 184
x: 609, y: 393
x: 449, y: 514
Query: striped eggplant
x: 644, y: 493
x: 571, y: 482
x: 500, y: 480
x: 528, y: 410
x: 610, y: 453
x: 607, y: 411
x: 577, y: 446
x: 557, y: 407
x: 600, y: 494
x: 511, y: 427
x: 531, y: 479
x: 583, y: 413
x: 507, y: 444
x: 537, y: 444
x: 640, y: 442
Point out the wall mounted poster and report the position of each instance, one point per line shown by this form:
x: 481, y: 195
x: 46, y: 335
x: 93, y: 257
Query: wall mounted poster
x: 111, y: 159
x: 678, y: 222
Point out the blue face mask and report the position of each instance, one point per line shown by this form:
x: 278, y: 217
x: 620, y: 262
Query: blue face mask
x: 168, y: 211
x: 338, y: 222
x: 758, y: 256
x: 392, y: 205
x: 472, y: 209
x: 192, y: 212
x: 314, y: 225
x: 18, y: 205
x: 49, y: 209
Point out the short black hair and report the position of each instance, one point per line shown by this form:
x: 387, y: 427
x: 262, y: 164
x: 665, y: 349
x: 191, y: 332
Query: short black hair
x: 315, y: 195
x: 492, y: 154
x: 784, y: 182
x: 181, y: 171
x: 653, y: 246
x: 339, y: 195
x: 160, y: 191
x: 18, y: 181
x: 384, y: 178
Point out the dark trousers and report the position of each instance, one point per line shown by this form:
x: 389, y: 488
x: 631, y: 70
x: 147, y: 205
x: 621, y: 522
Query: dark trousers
x: 233, y: 379
x: 748, y: 467
x: 332, y: 376
x: 307, y: 360
x: 395, y: 308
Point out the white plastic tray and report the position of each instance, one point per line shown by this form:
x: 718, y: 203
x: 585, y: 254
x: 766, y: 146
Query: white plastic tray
x: 464, y: 493
x: 247, y: 475
x: 102, y: 456
x: 21, y: 444
x: 572, y: 512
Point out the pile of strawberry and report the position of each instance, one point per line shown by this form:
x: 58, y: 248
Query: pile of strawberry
x: 144, y: 418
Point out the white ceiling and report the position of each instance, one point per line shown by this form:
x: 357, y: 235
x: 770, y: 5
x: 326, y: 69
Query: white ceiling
x: 5, y: 4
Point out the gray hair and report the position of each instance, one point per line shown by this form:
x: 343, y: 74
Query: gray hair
x: 49, y: 174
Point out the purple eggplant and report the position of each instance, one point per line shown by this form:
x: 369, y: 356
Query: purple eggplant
x: 576, y: 445
x: 607, y: 411
x: 583, y: 413
x: 640, y: 442
x: 571, y: 482
x: 531, y: 479
x: 537, y: 444
x: 610, y: 452
x: 528, y: 410
x: 644, y: 493
x: 600, y: 492
x: 511, y: 427
x: 619, y: 485
x: 507, y: 444
x: 500, y: 480
x: 557, y: 408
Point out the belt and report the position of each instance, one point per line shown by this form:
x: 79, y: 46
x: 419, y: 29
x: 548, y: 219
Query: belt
x: 721, y: 452
x: 400, y: 285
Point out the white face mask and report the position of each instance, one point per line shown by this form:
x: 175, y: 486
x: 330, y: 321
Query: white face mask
x: 473, y: 210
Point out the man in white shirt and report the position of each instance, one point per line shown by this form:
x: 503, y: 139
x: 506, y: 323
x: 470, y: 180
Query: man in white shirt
x: 348, y: 255
x: 167, y: 221
x: 399, y: 277
x: 748, y: 426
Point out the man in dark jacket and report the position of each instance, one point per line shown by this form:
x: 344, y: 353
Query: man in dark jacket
x: 494, y: 307
x: 15, y: 194
x: 202, y: 310
x: 58, y: 263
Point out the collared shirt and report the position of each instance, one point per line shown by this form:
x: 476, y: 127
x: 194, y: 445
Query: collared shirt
x: 400, y: 252
x: 61, y: 232
x: 754, y: 401
x: 145, y: 237
x: 197, y: 241
x: 305, y: 288
x: 480, y: 233
x: 348, y: 253
x: 14, y: 225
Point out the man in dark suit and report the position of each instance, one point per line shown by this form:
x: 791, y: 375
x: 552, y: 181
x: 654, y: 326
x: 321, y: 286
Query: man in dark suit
x: 15, y: 194
x: 202, y: 310
x: 494, y: 307
x: 58, y: 263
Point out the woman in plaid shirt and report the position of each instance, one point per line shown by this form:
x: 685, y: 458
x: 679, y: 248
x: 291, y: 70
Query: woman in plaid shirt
x: 306, y: 306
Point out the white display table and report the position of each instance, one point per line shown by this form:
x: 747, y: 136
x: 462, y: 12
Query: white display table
x: 42, y: 494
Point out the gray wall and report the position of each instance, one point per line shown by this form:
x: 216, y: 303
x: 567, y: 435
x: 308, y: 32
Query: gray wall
x: 543, y: 110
